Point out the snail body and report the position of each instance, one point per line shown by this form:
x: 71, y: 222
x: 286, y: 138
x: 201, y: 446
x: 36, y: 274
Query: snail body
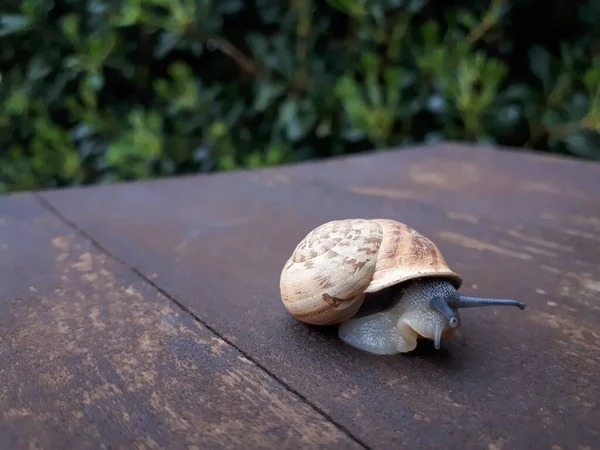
x: 341, y: 266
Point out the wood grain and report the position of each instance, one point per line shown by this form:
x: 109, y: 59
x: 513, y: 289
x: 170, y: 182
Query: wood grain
x: 523, y: 379
x: 92, y: 357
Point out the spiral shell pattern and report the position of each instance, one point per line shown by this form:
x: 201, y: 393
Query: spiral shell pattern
x: 324, y: 280
x: 331, y: 270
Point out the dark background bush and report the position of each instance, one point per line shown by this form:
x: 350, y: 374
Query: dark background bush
x: 98, y: 91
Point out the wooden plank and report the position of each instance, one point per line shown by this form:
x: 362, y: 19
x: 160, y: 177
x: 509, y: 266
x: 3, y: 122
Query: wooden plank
x: 94, y: 358
x: 525, y: 379
x: 546, y: 204
x: 471, y: 183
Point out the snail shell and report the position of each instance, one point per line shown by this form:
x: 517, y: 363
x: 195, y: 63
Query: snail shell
x: 337, y: 264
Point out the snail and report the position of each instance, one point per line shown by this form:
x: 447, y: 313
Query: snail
x: 339, y: 269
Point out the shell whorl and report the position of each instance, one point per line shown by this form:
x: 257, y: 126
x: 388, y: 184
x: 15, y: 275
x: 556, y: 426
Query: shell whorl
x: 324, y: 280
x: 330, y: 271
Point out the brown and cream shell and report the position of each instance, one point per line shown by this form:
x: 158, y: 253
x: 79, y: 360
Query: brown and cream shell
x: 331, y: 270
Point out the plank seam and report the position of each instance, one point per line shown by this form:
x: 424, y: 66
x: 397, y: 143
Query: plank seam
x: 46, y: 204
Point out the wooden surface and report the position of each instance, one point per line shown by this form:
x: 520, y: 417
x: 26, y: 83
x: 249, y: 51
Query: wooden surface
x: 147, y: 315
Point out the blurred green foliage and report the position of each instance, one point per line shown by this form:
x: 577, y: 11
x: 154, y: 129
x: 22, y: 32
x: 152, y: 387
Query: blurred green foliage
x: 95, y: 91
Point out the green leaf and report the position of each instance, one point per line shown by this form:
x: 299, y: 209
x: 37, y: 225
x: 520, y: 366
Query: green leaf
x: 430, y: 33
x: 415, y: 6
x: 540, y: 66
x: 517, y: 92
x: 275, y: 154
x: 324, y: 128
x: 433, y: 137
x: 70, y: 26
x: 17, y: 103
x: 254, y: 160
x: 81, y: 131
x: 505, y: 119
x: 38, y: 68
x: 95, y: 81
x: 583, y: 144
x: 288, y: 118
x: 346, y: 88
x: 355, y: 8
x: 266, y: 95
x: 436, y: 104
x: 354, y: 134
x: 71, y: 165
x: 227, y: 162
x: 166, y: 43
x: 591, y: 79
x: 370, y: 61
x: 258, y: 44
x: 468, y: 19
x: 296, y: 117
x: 99, y: 48
x: 129, y: 14
x: 14, y: 23
x: 218, y: 130
x: 229, y: 6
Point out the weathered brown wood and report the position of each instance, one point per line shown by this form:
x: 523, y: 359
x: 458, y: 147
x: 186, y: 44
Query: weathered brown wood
x: 471, y: 183
x: 91, y: 357
x: 524, y: 379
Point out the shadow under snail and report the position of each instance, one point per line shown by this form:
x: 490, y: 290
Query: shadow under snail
x: 341, y: 266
